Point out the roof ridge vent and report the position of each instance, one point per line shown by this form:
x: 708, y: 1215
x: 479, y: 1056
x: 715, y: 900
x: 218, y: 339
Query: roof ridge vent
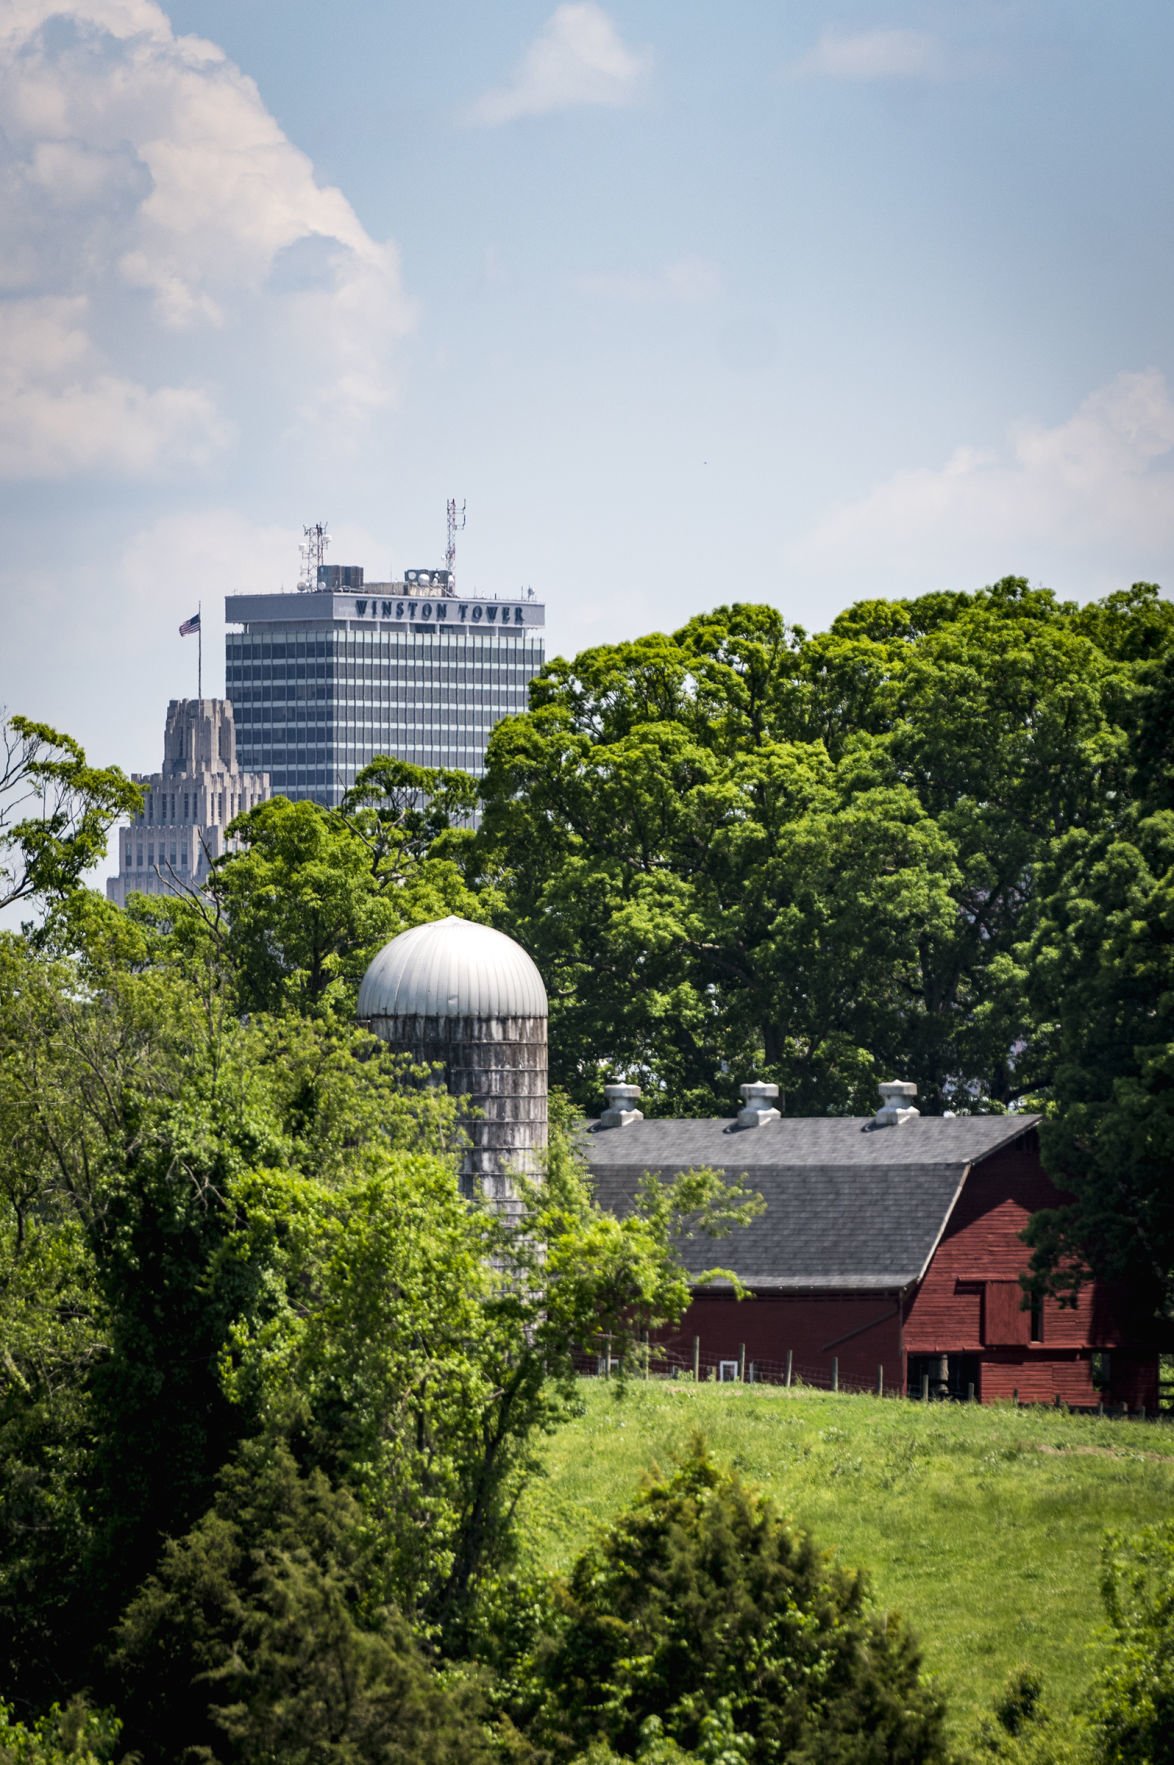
x: 758, y: 1104
x: 892, y: 1112
x: 621, y: 1108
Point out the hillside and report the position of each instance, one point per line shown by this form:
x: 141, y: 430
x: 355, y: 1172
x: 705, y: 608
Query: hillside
x: 983, y: 1526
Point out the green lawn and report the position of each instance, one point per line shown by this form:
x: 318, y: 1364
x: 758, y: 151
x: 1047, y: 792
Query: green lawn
x: 983, y: 1526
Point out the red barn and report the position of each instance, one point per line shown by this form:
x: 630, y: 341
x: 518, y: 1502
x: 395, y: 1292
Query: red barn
x: 889, y: 1248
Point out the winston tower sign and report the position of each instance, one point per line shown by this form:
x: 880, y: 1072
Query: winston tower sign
x: 324, y: 679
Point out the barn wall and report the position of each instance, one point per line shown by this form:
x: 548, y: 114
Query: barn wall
x: 1042, y: 1376
x: 862, y: 1330
x: 968, y: 1302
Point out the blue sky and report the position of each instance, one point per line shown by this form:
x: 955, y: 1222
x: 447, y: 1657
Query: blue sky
x: 690, y: 303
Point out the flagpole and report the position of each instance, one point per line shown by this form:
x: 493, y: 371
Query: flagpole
x: 200, y: 650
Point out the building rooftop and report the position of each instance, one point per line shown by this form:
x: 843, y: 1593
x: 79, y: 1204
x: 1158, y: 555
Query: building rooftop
x: 848, y: 1204
x: 387, y: 603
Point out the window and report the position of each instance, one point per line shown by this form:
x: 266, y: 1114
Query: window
x: 1037, y: 1318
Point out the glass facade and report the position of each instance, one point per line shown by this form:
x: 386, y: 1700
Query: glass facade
x: 322, y: 683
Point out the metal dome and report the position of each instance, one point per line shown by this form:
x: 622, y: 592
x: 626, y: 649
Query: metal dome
x: 452, y: 968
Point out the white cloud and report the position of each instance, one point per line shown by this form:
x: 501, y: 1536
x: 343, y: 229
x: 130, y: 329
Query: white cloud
x: 579, y: 58
x: 1095, y: 493
x: 874, y: 55
x: 63, y: 409
x: 184, y: 557
x: 142, y: 174
x: 206, y: 553
x: 688, y: 281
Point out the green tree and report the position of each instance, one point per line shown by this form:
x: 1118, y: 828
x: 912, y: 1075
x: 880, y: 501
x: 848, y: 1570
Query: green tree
x: 414, y: 1347
x: 75, y: 1735
x: 258, y: 1638
x: 132, y: 1103
x: 216, y: 1230
x: 1132, y: 1702
x: 402, y: 810
x: 718, y: 1743
x: 1024, y: 1730
x: 312, y: 894
x: 817, y: 858
x: 1102, y: 983
x: 702, y: 1597
x: 55, y: 810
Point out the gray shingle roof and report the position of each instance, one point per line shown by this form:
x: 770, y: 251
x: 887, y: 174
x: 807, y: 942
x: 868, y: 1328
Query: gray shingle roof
x: 847, y: 1205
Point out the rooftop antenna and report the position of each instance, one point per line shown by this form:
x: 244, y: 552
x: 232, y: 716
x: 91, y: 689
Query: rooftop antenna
x: 313, y: 555
x: 450, y: 550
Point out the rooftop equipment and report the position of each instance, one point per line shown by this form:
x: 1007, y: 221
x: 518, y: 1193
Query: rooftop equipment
x: 758, y: 1104
x: 621, y: 1108
x: 892, y: 1112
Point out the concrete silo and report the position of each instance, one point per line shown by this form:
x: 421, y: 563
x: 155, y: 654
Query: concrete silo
x: 468, y: 999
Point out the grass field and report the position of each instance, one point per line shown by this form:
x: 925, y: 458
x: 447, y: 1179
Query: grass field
x: 983, y: 1526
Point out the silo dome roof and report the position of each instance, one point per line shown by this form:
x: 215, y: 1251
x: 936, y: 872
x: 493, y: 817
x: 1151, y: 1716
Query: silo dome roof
x: 452, y: 968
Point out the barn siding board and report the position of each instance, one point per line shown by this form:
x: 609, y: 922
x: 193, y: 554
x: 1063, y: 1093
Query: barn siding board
x: 862, y: 1331
x: 1038, y: 1377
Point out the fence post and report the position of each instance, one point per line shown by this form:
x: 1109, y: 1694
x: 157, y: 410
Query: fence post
x: 970, y: 1392
x: 742, y: 1362
x: 790, y: 1352
x: 835, y: 1372
x: 1056, y: 1401
x: 696, y: 1360
x: 925, y: 1388
x: 609, y: 1357
x: 1015, y: 1396
x: 880, y: 1380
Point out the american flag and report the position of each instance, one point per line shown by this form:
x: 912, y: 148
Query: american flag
x: 190, y: 625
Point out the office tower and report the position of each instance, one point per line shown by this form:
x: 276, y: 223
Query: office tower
x: 324, y: 678
x: 171, y: 844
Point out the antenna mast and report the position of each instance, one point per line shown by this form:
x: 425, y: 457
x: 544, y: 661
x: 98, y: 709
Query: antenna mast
x: 313, y: 555
x: 450, y: 550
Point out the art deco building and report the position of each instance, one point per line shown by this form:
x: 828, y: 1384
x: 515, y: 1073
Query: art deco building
x: 325, y: 678
x: 171, y: 845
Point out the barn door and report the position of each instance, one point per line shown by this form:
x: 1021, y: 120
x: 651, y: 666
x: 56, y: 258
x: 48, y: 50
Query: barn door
x: 1005, y: 1324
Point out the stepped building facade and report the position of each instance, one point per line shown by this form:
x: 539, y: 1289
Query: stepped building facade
x: 170, y: 846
